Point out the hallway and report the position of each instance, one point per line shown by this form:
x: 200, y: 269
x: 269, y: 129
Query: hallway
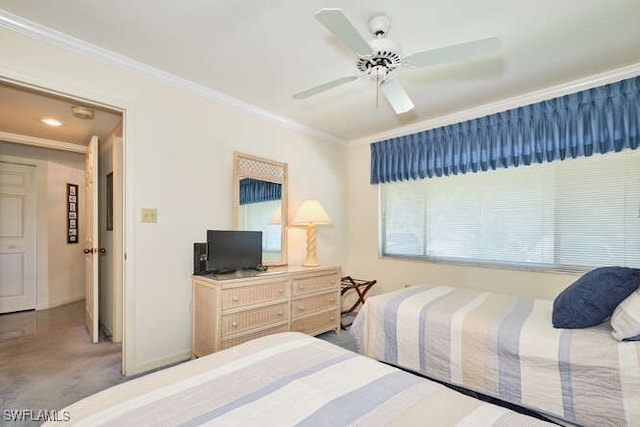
x: 47, y: 360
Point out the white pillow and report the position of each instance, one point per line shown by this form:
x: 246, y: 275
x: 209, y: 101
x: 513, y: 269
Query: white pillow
x: 625, y: 319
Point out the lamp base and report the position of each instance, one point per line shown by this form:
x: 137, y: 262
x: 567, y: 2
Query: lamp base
x: 311, y: 259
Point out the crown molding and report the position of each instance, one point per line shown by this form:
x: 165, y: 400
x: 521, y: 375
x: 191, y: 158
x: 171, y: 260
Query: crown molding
x: 506, y: 104
x: 40, y: 32
x: 42, y: 142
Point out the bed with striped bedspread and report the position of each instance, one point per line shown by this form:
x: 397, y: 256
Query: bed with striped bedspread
x: 282, y: 380
x: 505, y: 347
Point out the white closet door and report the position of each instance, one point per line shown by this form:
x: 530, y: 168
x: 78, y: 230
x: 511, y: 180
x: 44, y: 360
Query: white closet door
x: 17, y: 238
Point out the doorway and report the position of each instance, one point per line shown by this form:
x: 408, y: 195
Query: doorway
x: 32, y: 140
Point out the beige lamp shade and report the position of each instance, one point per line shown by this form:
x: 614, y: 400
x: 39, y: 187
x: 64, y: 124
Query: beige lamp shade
x: 311, y: 212
x: 276, y: 216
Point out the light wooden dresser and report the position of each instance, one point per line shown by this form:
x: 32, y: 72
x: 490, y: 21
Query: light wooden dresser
x: 231, y: 309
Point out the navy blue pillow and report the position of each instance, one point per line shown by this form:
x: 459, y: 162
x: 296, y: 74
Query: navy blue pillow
x: 593, y: 297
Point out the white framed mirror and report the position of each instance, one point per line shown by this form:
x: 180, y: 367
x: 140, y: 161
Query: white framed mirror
x: 260, y: 203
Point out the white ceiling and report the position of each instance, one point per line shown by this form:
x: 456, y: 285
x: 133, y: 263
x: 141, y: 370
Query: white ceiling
x: 262, y: 52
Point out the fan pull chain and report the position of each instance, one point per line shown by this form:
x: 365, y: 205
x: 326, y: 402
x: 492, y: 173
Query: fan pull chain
x: 377, y: 90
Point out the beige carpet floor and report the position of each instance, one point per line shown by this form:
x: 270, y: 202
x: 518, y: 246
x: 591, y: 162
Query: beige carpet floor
x: 47, y: 361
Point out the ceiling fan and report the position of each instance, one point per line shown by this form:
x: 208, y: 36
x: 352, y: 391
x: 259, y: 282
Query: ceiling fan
x: 380, y: 56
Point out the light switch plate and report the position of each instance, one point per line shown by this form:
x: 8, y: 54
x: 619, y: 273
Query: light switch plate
x: 149, y: 215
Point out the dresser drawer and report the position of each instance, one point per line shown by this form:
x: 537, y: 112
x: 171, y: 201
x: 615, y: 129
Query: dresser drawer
x: 315, y: 284
x: 250, y: 319
x: 254, y: 294
x: 315, y: 324
x: 309, y: 305
x: 248, y: 337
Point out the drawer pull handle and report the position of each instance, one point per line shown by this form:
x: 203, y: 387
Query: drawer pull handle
x: 281, y: 291
x: 234, y: 324
x: 332, y: 300
x: 332, y: 318
x: 301, y: 308
x: 333, y: 282
x: 235, y: 298
x: 301, y: 287
x: 301, y: 328
x: 280, y: 313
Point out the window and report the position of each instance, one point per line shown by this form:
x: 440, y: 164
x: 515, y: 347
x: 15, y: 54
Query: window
x: 564, y: 215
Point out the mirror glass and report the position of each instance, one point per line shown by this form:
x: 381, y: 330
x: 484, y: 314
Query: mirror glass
x: 260, y: 203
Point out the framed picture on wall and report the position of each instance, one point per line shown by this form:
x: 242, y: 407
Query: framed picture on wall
x: 72, y: 213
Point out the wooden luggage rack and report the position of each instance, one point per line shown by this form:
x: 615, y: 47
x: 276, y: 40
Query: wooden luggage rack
x: 361, y: 287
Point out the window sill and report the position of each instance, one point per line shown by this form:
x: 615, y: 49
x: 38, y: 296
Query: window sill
x: 538, y: 268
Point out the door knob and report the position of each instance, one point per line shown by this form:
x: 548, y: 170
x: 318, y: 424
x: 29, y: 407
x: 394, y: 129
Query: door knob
x: 102, y: 251
x: 88, y: 251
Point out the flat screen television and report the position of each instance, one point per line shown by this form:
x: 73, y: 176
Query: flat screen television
x: 231, y: 250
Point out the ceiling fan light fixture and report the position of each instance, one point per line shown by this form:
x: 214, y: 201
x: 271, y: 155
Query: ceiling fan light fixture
x: 82, y: 112
x: 378, y: 72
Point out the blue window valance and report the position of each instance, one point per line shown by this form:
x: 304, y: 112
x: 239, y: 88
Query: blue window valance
x: 256, y: 191
x: 598, y: 120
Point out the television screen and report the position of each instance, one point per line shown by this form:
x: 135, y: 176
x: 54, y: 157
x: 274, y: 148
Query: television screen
x: 228, y: 251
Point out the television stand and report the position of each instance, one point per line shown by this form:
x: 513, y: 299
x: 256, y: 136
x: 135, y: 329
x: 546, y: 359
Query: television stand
x: 224, y: 271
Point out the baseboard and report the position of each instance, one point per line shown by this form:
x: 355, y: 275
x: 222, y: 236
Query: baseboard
x: 59, y: 302
x: 162, y: 362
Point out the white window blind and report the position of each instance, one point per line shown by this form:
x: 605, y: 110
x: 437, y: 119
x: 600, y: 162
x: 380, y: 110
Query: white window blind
x: 577, y: 213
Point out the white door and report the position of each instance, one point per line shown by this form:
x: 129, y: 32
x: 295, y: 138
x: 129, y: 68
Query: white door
x: 17, y: 238
x: 91, y: 243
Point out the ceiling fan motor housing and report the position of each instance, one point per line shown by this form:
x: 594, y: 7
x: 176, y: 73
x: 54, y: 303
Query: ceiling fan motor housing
x: 386, y: 58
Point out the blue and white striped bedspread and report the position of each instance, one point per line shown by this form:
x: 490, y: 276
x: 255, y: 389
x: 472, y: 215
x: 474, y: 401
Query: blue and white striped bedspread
x: 506, y: 347
x: 283, y: 380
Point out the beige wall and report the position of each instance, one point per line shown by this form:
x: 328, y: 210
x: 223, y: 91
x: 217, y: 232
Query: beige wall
x: 364, y: 262
x: 65, y: 260
x: 178, y: 158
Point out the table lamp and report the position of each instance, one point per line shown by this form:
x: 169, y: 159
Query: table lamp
x: 311, y: 213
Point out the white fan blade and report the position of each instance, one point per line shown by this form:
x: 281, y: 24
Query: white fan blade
x: 337, y: 22
x: 468, y: 51
x: 326, y: 86
x: 396, y: 96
